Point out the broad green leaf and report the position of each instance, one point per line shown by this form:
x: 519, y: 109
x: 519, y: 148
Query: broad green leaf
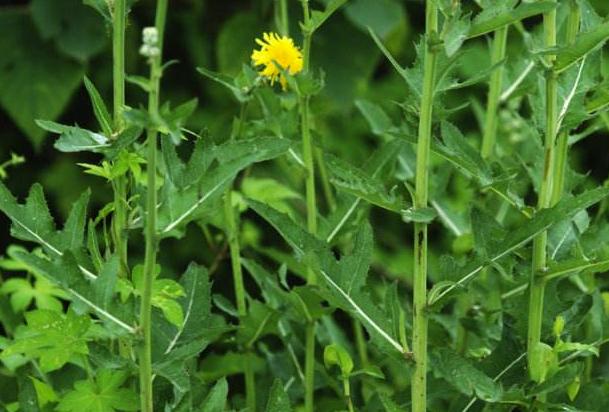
x: 75, y: 139
x: 336, y: 355
x: 215, y: 401
x: 584, y: 44
x: 28, y: 88
x: 94, y: 295
x: 279, y: 400
x: 559, y: 380
x: 99, y: 108
x: 104, y: 394
x: 543, y: 220
x: 271, y: 192
x: 51, y: 337
x: 356, y: 182
x: 490, y: 20
x: 33, y: 222
x: 179, y: 207
x: 80, y: 36
x: 464, y: 376
x: 378, y: 120
x: 348, y: 204
x: 42, y: 292
x: 344, y: 280
x: 184, y: 174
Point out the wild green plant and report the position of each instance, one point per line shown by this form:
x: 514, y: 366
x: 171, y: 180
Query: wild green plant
x: 309, y: 293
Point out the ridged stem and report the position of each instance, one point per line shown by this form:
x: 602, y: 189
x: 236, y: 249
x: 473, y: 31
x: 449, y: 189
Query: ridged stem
x: 539, y: 263
x: 419, y: 339
x: 311, y: 199
x: 495, y: 85
x: 145, y: 355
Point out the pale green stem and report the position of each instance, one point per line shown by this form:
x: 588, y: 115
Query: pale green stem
x: 119, y: 218
x: 419, y: 339
x: 494, y: 94
x: 562, y: 145
x: 309, y: 161
x: 119, y: 18
x: 232, y: 233
x: 539, y: 263
x: 347, y: 392
x: 145, y: 355
x: 281, y: 17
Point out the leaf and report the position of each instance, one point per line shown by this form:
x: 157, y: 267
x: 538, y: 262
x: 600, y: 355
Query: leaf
x: 189, y: 173
x: 92, y: 294
x: 269, y: 191
x: 464, y: 376
x: 99, y: 108
x: 51, y: 337
x: 385, y: 17
x: 278, y: 399
x: 456, y: 30
x: 240, y: 94
x: 42, y: 292
x: 74, y: 139
x: 318, y: 18
x: 179, y: 207
x: 345, y: 279
x: 337, y: 355
x: 377, y: 119
x: 356, y: 182
x: 463, y: 155
x: 104, y: 394
x: 28, y: 89
x: 81, y: 36
x: 422, y: 215
x: 584, y: 44
x: 490, y: 20
x: 215, y: 400
x: 565, y: 209
x: 349, y: 204
x: 542, y: 361
x: 33, y: 222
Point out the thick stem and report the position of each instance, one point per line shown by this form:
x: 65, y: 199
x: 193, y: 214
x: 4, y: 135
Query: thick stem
x: 494, y: 94
x: 419, y: 339
x: 145, y: 355
x: 537, y: 284
x: 347, y: 392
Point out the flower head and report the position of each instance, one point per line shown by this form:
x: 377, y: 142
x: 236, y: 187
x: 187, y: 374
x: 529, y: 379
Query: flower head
x: 276, y: 51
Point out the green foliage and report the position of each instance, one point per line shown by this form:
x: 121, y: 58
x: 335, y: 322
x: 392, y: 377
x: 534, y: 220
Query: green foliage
x: 103, y: 394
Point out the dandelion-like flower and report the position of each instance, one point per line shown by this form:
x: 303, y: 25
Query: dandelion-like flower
x: 277, y: 50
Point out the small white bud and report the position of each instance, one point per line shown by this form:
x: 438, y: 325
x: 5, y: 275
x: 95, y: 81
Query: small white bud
x: 150, y: 36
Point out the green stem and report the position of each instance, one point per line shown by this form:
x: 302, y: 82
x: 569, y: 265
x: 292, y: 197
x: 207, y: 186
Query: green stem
x: 232, y: 233
x: 310, y: 366
x: 562, y: 144
x: 281, y: 17
x: 360, y: 342
x: 537, y: 283
x: 118, y: 50
x: 347, y: 392
x: 419, y: 339
x: 307, y: 154
x: 494, y: 94
x: 145, y: 355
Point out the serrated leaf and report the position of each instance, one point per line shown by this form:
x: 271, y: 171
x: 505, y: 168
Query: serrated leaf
x: 464, y: 376
x: 215, y: 401
x: 584, y: 44
x: 279, y: 400
x: 543, y: 220
x: 104, y: 394
x: 356, y: 182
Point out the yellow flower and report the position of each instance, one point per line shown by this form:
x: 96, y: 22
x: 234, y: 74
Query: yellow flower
x: 282, y: 51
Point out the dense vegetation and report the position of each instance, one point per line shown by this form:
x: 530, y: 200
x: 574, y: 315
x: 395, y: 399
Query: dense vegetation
x: 316, y: 205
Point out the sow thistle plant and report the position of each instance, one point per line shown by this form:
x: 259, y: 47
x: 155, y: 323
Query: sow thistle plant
x: 498, y: 301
